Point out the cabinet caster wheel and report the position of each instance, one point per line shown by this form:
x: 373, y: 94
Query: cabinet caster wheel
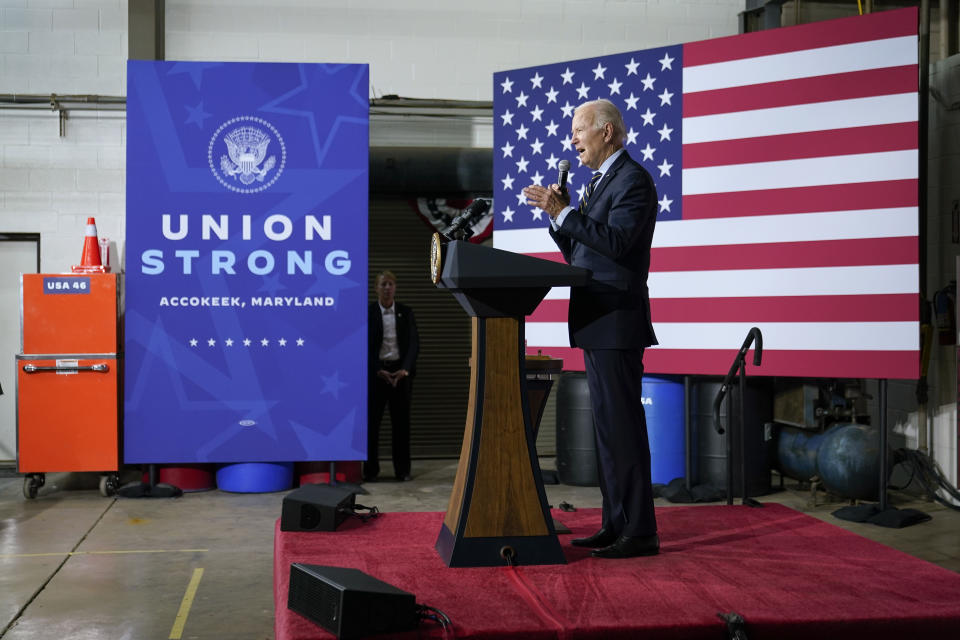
x: 31, y: 485
x: 109, y: 485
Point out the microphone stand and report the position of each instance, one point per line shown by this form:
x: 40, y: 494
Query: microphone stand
x: 349, y: 486
x: 150, y: 489
x: 463, y: 234
x: 462, y: 226
x: 739, y: 365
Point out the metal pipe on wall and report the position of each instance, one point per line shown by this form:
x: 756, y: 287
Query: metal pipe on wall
x: 55, y: 101
x: 431, y: 171
x: 949, y: 34
x: 923, y: 133
x: 923, y: 105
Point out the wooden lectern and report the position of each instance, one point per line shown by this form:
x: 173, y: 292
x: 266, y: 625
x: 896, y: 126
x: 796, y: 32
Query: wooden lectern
x: 498, y: 511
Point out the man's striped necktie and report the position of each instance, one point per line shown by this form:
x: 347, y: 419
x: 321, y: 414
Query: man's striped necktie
x: 589, y: 191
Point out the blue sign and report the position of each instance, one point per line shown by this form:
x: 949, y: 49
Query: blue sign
x: 246, y: 262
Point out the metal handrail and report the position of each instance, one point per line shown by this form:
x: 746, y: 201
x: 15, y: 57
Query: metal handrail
x: 739, y: 365
x: 753, y: 335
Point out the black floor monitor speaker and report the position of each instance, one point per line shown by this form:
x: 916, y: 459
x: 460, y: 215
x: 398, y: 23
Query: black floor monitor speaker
x: 348, y: 602
x: 316, y: 507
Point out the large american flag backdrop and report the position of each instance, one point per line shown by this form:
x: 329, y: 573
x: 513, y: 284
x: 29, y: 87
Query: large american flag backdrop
x: 786, y: 166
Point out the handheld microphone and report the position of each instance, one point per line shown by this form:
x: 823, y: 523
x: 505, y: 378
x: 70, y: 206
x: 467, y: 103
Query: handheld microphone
x: 469, y: 216
x: 564, y: 166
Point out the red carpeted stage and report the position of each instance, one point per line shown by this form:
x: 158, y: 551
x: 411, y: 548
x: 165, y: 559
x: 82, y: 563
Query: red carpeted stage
x: 789, y: 575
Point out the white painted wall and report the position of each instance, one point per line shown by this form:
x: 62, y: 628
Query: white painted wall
x: 50, y: 184
x: 943, y: 251
x: 906, y: 421
x: 437, y: 48
x: 416, y: 49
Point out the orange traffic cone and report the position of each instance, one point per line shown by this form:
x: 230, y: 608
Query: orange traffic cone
x: 91, y: 246
x: 90, y: 259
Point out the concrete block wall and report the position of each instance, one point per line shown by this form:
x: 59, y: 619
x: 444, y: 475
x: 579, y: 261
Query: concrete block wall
x: 63, y: 46
x: 416, y: 48
x: 943, y: 202
x: 907, y: 423
x: 50, y: 184
x: 437, y: 48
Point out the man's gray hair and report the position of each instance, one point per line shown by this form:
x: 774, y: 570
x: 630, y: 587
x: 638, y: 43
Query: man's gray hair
x: 605, y: 111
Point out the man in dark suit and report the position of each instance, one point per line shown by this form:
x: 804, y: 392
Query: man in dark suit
x: 392, y: 358
x: 610, y: 233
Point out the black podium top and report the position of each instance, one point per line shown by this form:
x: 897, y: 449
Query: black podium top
x: 492, y: 283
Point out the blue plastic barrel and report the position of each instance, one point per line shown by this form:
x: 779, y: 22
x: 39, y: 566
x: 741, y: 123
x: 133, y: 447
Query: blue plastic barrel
x: 576, y: 444
x: 663, y: 405
x: 255, y: 477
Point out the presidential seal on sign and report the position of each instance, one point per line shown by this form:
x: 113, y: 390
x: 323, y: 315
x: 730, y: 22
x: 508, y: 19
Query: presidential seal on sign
x: 246, y: 154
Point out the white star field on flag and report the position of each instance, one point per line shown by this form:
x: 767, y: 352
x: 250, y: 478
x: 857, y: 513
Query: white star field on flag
x: 533, y: 111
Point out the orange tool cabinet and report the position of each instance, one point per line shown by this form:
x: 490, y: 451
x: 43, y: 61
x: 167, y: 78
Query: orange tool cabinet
x: 68, y: 377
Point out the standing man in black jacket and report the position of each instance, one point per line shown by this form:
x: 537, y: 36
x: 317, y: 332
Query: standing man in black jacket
x: 610, y: 233
x: 392, y: 358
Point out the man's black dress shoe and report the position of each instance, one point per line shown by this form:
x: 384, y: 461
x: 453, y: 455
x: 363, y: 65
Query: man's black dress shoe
x: 630, y: 547
x: 600, y: 539
x: 404, y: 478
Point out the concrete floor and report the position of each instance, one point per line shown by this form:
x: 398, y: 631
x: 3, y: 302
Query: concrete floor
x: 77, y: 565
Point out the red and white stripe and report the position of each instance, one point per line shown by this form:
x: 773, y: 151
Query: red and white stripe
x: 800, y: 182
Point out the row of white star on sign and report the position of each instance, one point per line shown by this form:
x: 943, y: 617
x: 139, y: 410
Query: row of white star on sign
x: 246, y: 342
